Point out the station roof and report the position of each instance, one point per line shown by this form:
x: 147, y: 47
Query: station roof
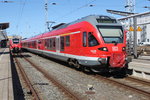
x: 4, y: 25
x: 3, y: 34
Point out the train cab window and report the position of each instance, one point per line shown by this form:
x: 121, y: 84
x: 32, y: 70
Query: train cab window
x: 62, y: 44
x: 111, y: 34
x: 84, y: 39
x: 67, y: 41
x: 92, y: 40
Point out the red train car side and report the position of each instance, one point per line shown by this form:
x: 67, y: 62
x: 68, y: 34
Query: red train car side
x: 15, y: 45
x: 96, y: 42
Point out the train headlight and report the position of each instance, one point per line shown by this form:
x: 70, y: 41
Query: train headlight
x: 103, y: 49
x: 123, y: 48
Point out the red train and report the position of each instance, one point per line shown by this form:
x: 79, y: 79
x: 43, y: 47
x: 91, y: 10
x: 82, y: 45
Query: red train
x: 15, y: 44
x: 95, y: 42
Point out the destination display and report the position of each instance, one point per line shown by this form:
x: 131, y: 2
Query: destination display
x: 106, y: 21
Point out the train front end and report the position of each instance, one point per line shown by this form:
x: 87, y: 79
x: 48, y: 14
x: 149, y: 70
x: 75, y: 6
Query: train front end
x: 15, y: 45
x: 112, y: 45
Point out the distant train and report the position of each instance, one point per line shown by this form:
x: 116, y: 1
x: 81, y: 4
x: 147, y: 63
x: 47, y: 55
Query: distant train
x: 15, y: 44
x: 95, y: 42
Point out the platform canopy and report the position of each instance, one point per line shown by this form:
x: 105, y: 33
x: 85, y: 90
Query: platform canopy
x: 3, y: 35
x: 4, y: 26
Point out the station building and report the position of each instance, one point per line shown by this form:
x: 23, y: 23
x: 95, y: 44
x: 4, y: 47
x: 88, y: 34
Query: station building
x: 144, y: 35
x: 3, y: 34
x: 143, y: 29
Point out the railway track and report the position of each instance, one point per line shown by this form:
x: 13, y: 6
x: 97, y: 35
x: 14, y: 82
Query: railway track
x: 65, y: 90
x: 129, y: 83
x: 27, y: 81
x: 141, y: 81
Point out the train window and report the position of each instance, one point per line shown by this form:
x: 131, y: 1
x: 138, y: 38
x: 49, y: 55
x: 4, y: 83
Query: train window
x: 34, y: 44
x: 54, y: 43
x: 15, y: 41
x: 92, y: 40
x: 84, y: 39
x: 67, y: 40
x: 39, y: 41
x: 31, y: 44
x: 47, y: 43
x: 25, y: 44
x: 28, y: 44
x: 50, y: 44
x: 62, y: 44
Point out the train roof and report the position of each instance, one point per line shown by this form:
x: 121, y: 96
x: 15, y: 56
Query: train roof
x: 94, y: 20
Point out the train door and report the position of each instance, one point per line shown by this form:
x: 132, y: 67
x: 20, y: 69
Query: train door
x: 39, y: 44
x: 42, y: 44
x: 36, y: 44
x: 57, y: 44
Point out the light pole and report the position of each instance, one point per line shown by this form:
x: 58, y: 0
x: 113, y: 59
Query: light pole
x: 47, y: 23
x: 46, y: 13
x: 147, y: 6
x: 7, y: 1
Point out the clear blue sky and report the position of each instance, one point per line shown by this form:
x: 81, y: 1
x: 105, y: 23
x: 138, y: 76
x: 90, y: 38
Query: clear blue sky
x: 27, y: 17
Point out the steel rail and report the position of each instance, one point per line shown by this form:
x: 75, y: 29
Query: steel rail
x: 123, y: 85
x: 142, y: 81
x: 54, y: 81
x: 27, y: 80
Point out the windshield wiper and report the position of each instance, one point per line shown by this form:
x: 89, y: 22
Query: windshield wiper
x: 115, y: 42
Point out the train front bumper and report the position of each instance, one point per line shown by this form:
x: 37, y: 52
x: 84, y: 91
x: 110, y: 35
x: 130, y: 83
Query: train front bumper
x: 93, y: 62
x: 103, y: 60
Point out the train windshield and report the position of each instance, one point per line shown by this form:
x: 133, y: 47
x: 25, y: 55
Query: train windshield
x: 111, y: 34
x: 15, y: 41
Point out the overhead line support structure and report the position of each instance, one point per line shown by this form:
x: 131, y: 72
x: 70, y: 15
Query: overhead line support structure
x: 135, y: 16
x: 46, y: 14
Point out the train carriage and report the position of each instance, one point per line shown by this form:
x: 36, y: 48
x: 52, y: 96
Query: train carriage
x: 96, y: 42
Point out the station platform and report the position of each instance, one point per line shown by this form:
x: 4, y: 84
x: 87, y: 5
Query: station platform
x: 141, y: 67
x: 6, y: 86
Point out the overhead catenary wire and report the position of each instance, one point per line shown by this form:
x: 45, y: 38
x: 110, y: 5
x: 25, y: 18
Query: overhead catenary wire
x: 20, y: 14
x: 66, y: 15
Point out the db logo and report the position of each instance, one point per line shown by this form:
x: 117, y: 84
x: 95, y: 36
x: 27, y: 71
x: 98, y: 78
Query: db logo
x: 114, y: 48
